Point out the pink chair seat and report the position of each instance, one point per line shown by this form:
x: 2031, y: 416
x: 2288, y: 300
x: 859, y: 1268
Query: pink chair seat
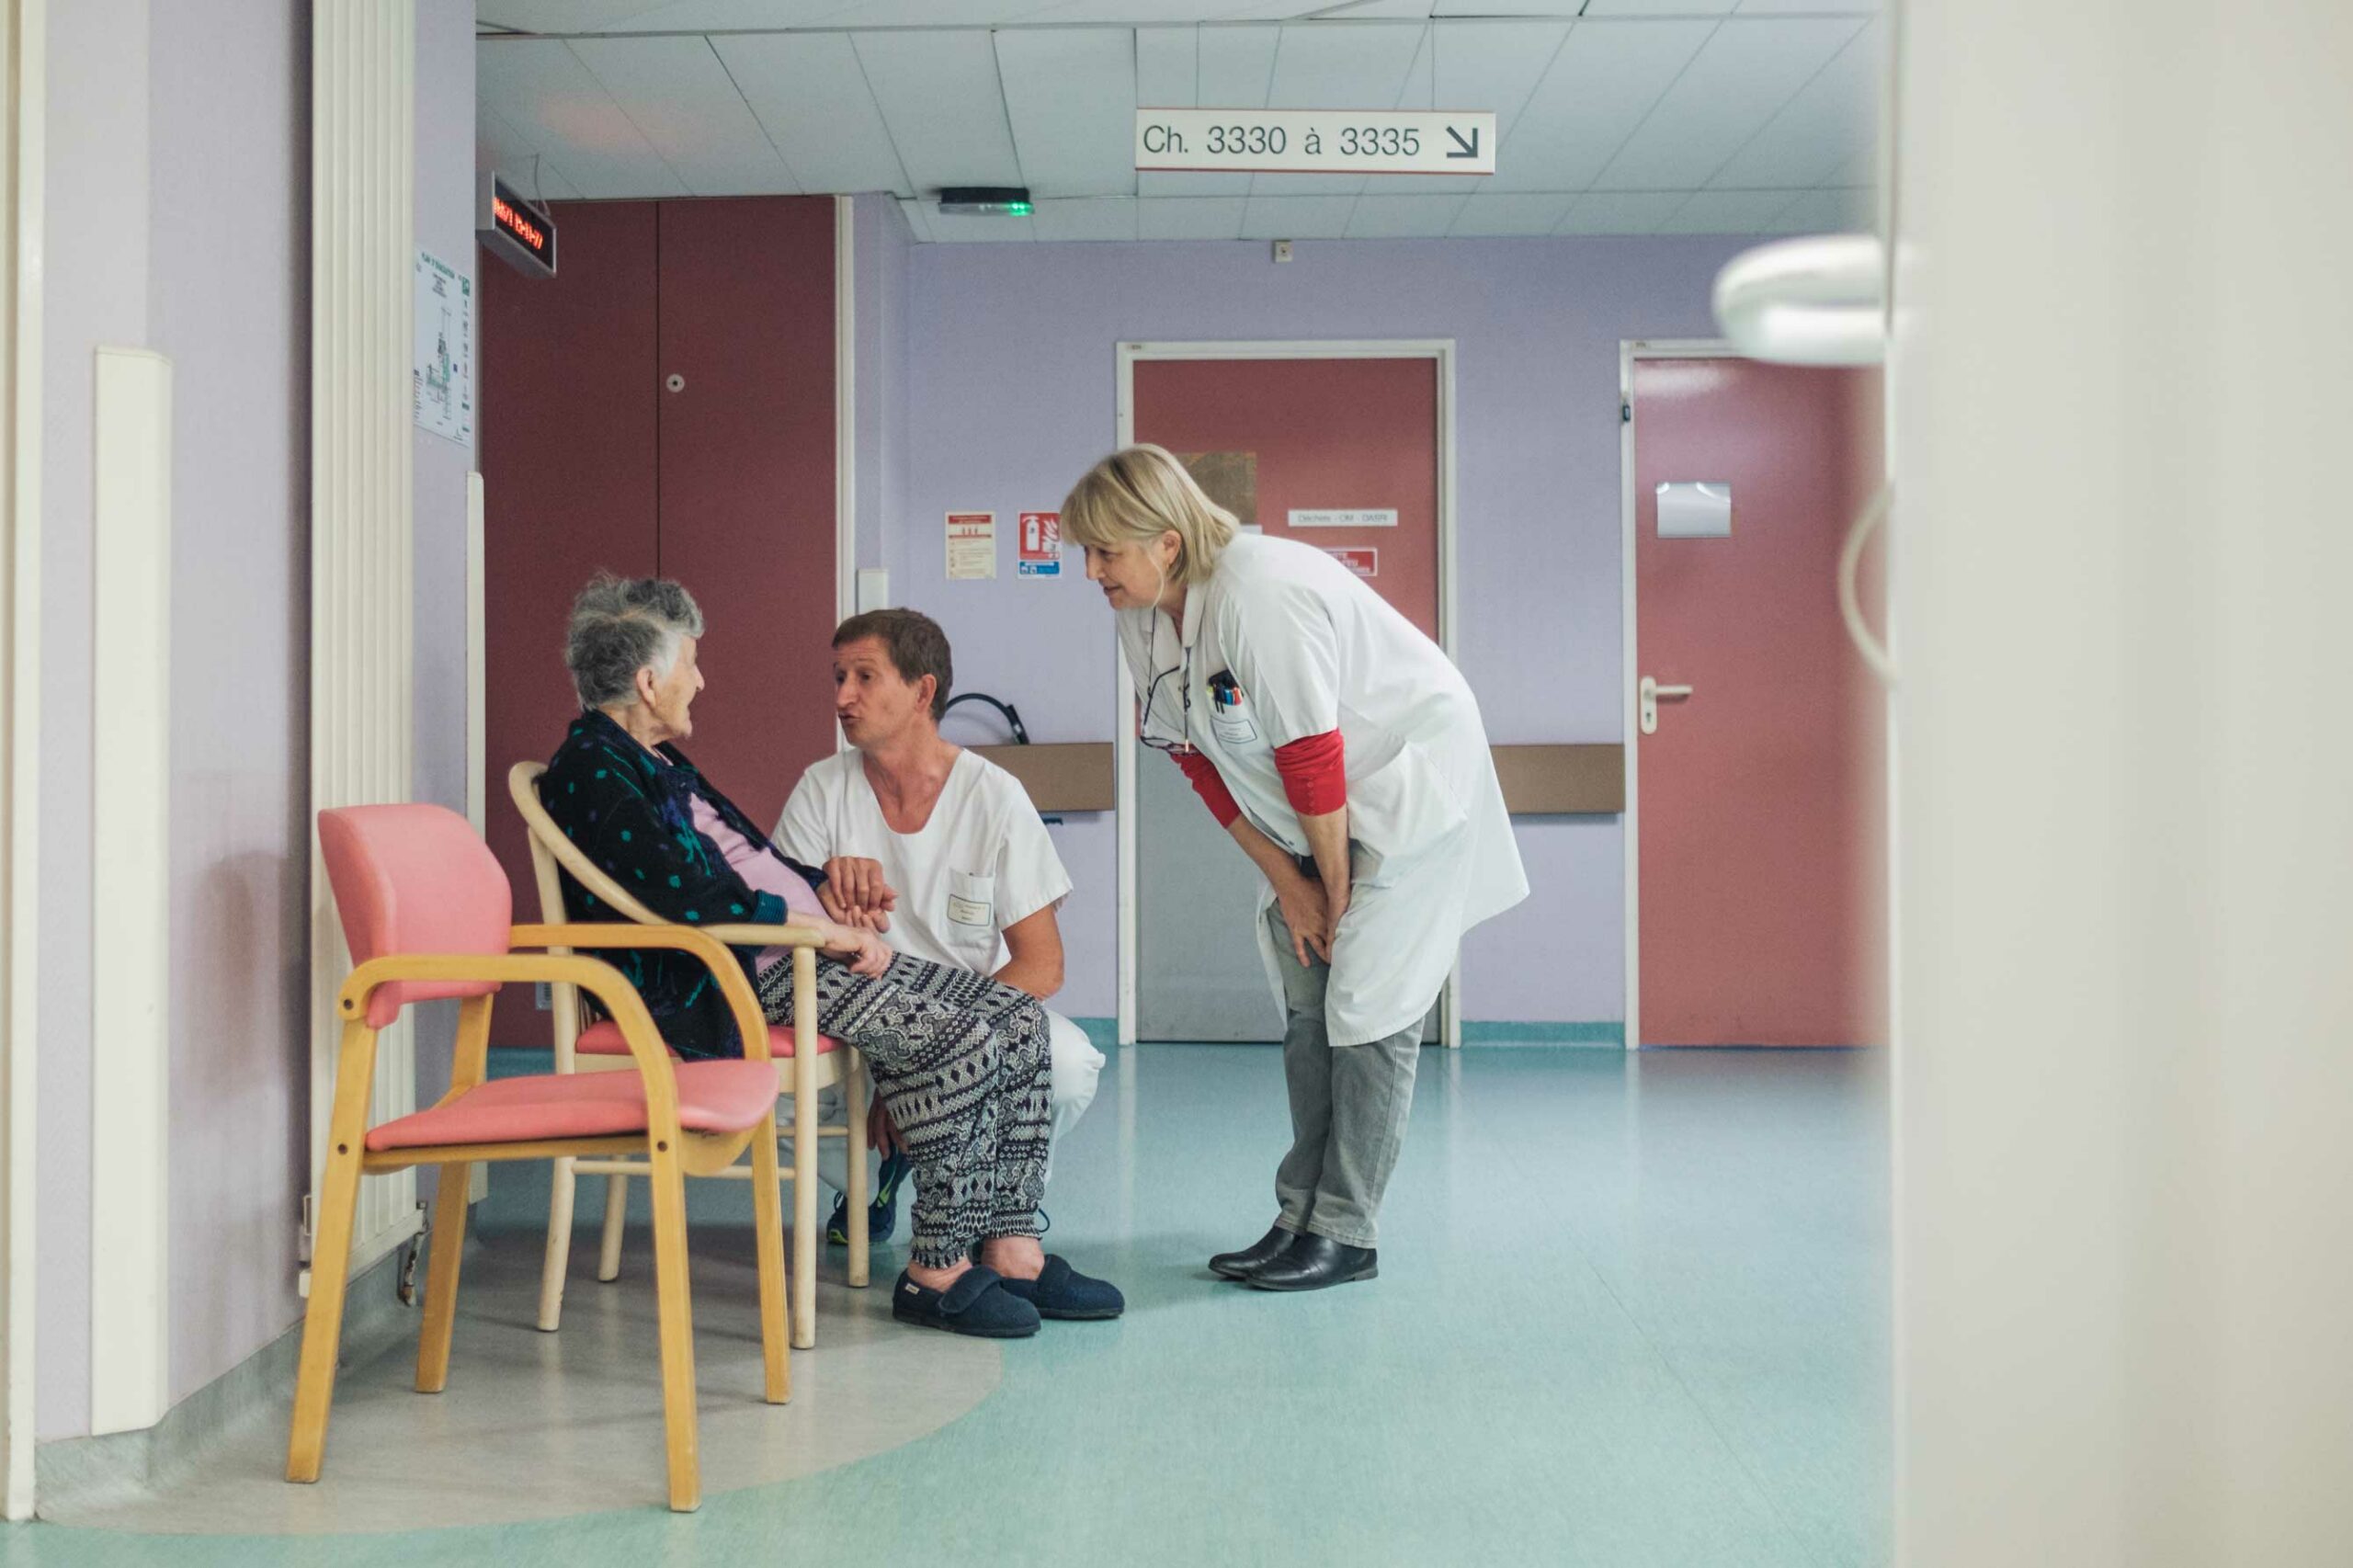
x: 713, y: 1096
x: 604, y: 1038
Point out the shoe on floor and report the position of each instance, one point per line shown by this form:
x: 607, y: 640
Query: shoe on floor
x: 883, y: 1214
x: 1062, y: 1292
x: 976, y: 1303
x: 1315, y: 1262
x: 1255, y: 1257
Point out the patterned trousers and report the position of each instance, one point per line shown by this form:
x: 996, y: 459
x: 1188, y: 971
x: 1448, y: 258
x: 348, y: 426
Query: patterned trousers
x: 964, y: 1065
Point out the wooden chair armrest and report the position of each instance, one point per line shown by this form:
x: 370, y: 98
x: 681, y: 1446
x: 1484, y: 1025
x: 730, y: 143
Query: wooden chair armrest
x: 609, y: 985
x: 767, y: 936
x: 705, y: 945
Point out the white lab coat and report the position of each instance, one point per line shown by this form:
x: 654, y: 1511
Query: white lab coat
x: 1313, y: 649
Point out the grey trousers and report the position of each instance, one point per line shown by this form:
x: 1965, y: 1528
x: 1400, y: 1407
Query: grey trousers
x: 1348, y: 1106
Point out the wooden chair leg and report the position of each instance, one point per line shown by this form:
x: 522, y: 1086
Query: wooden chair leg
x: 677, y: 1313
x: 860, y: 1092
x: 322, y: 1319
x: 609, y: 1252
x: 804, y: 1220
x: 557, y: 1263
x: 768, y: 1220
x: 441, y: 1279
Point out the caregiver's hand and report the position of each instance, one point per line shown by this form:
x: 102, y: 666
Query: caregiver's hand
x: 1307, y: 914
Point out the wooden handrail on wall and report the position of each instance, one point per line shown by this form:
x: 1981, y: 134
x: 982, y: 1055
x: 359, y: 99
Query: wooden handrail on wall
x: 1538, y: 780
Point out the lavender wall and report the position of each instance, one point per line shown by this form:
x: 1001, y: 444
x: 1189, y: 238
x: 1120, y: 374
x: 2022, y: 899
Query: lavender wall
x: 94, y: 291
x: 178, y: 181
x: 1010, y: 386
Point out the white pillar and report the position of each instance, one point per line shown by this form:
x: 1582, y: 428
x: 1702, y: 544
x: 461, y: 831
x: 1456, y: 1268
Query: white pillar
x: 2122, y: 388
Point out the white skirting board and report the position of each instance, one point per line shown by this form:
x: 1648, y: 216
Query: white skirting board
x: 130, y: 803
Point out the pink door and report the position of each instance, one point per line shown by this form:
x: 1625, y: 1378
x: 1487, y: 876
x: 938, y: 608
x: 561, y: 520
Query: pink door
x: 1761, y: 793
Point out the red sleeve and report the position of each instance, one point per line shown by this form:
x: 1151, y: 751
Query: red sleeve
x: 1209, y: 786
x: 1315, y: 773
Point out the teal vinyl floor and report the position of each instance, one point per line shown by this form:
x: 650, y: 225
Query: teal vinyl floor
x: 1633, y: 1312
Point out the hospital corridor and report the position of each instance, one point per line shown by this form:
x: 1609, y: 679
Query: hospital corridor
x: 1373, y: 785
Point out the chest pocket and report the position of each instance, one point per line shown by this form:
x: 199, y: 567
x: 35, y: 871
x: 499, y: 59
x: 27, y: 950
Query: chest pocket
x: 1234, y: 722
x: 971, y: 910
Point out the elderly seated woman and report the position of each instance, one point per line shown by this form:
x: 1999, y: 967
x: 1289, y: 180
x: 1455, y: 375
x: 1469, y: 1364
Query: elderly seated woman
x: 959, y: 1061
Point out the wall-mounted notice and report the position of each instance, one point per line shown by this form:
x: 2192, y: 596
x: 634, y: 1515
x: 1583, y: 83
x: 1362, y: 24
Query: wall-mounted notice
x: 1042, y: 544
x: 1362, y: 560
x: 1314, y: 141
x: 971, y: 546
x: 1344, y: 518
x: 441, y: 384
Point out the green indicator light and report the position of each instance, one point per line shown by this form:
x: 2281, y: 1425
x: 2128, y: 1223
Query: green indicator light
x: 1019, y: 208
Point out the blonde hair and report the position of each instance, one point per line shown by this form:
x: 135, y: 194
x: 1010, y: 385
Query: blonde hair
x: 1137, y: 495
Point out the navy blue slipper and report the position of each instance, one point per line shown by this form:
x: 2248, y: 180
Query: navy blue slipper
x: 1062, y: 1292
x: 977, y: 1304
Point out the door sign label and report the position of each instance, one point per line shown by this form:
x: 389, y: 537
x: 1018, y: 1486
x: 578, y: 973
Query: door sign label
x: 1317, y: 141
x: 1362, y: 560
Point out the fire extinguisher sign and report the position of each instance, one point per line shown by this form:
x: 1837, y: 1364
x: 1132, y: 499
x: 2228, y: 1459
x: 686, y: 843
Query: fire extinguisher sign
x: 1042, y: 544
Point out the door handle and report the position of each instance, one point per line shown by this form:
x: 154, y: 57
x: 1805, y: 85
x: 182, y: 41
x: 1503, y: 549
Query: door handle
x: 1652, y: 694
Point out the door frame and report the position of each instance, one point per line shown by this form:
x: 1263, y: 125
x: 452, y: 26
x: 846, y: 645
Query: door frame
x: 1440, y: 350
x: 23, y: 104
x: 1628, y: 351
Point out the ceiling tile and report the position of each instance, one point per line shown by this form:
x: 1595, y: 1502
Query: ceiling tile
x: 940, y: 97
x: 1492, y: 66
x: 1814, y: 7
x: 810, y: 93
x: 1189, y: 218
x: 675, y: 91
x: 541, y: 87
x: 1740, y: 78
x: 1726, y: 213
x: 1667, y: 7
x: 1071, y: 96
x: 1852, y: 209
x: 1404, y: 217
x: 918, y: 219
x: 1505, y: 213
x: 1832, y: 120
x: 563, y: 16
x: 1096, y: 218
x: 1331, y: 65
x: 1606, y: 76
x: 1620, y: 211
x: 1229, y: 69
x: 518, y: 160
x: 1297, y: 217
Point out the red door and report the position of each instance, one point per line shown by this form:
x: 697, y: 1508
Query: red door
x: 1286, y: 441
x: 1761, y: 794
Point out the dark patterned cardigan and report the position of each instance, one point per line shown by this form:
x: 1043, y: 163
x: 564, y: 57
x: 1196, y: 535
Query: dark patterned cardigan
x: 635, y: 817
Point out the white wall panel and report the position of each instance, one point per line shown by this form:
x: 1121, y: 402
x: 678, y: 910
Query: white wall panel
x: 1740, y: 78
x: 130, y: 802
x: 1071, y: 95
x: 683, y: 101
x: 809, y: 94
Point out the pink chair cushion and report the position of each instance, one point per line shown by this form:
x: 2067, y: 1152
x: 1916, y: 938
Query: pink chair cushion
x: 713, y: 1096
x: 415, y: 879
x: 604, y: 1040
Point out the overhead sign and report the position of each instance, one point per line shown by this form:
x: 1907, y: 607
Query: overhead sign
x: 513, y: 230
x: 1316, y: 140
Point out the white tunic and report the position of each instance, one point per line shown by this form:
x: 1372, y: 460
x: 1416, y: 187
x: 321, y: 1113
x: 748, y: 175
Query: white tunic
x: 982, y: 861
x: 1313, y: 649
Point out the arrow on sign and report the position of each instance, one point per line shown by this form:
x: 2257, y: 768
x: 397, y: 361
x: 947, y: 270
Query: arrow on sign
x: 1470, y: 148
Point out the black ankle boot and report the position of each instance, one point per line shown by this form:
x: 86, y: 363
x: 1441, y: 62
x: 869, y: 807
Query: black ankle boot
x: 1256, y: 1256
x: 1315, y: 1262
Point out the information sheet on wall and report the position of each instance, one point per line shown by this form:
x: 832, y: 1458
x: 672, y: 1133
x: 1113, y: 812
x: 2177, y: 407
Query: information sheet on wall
x: 1042, y: 544
x: 971, y: 546
x: 442, y: 382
